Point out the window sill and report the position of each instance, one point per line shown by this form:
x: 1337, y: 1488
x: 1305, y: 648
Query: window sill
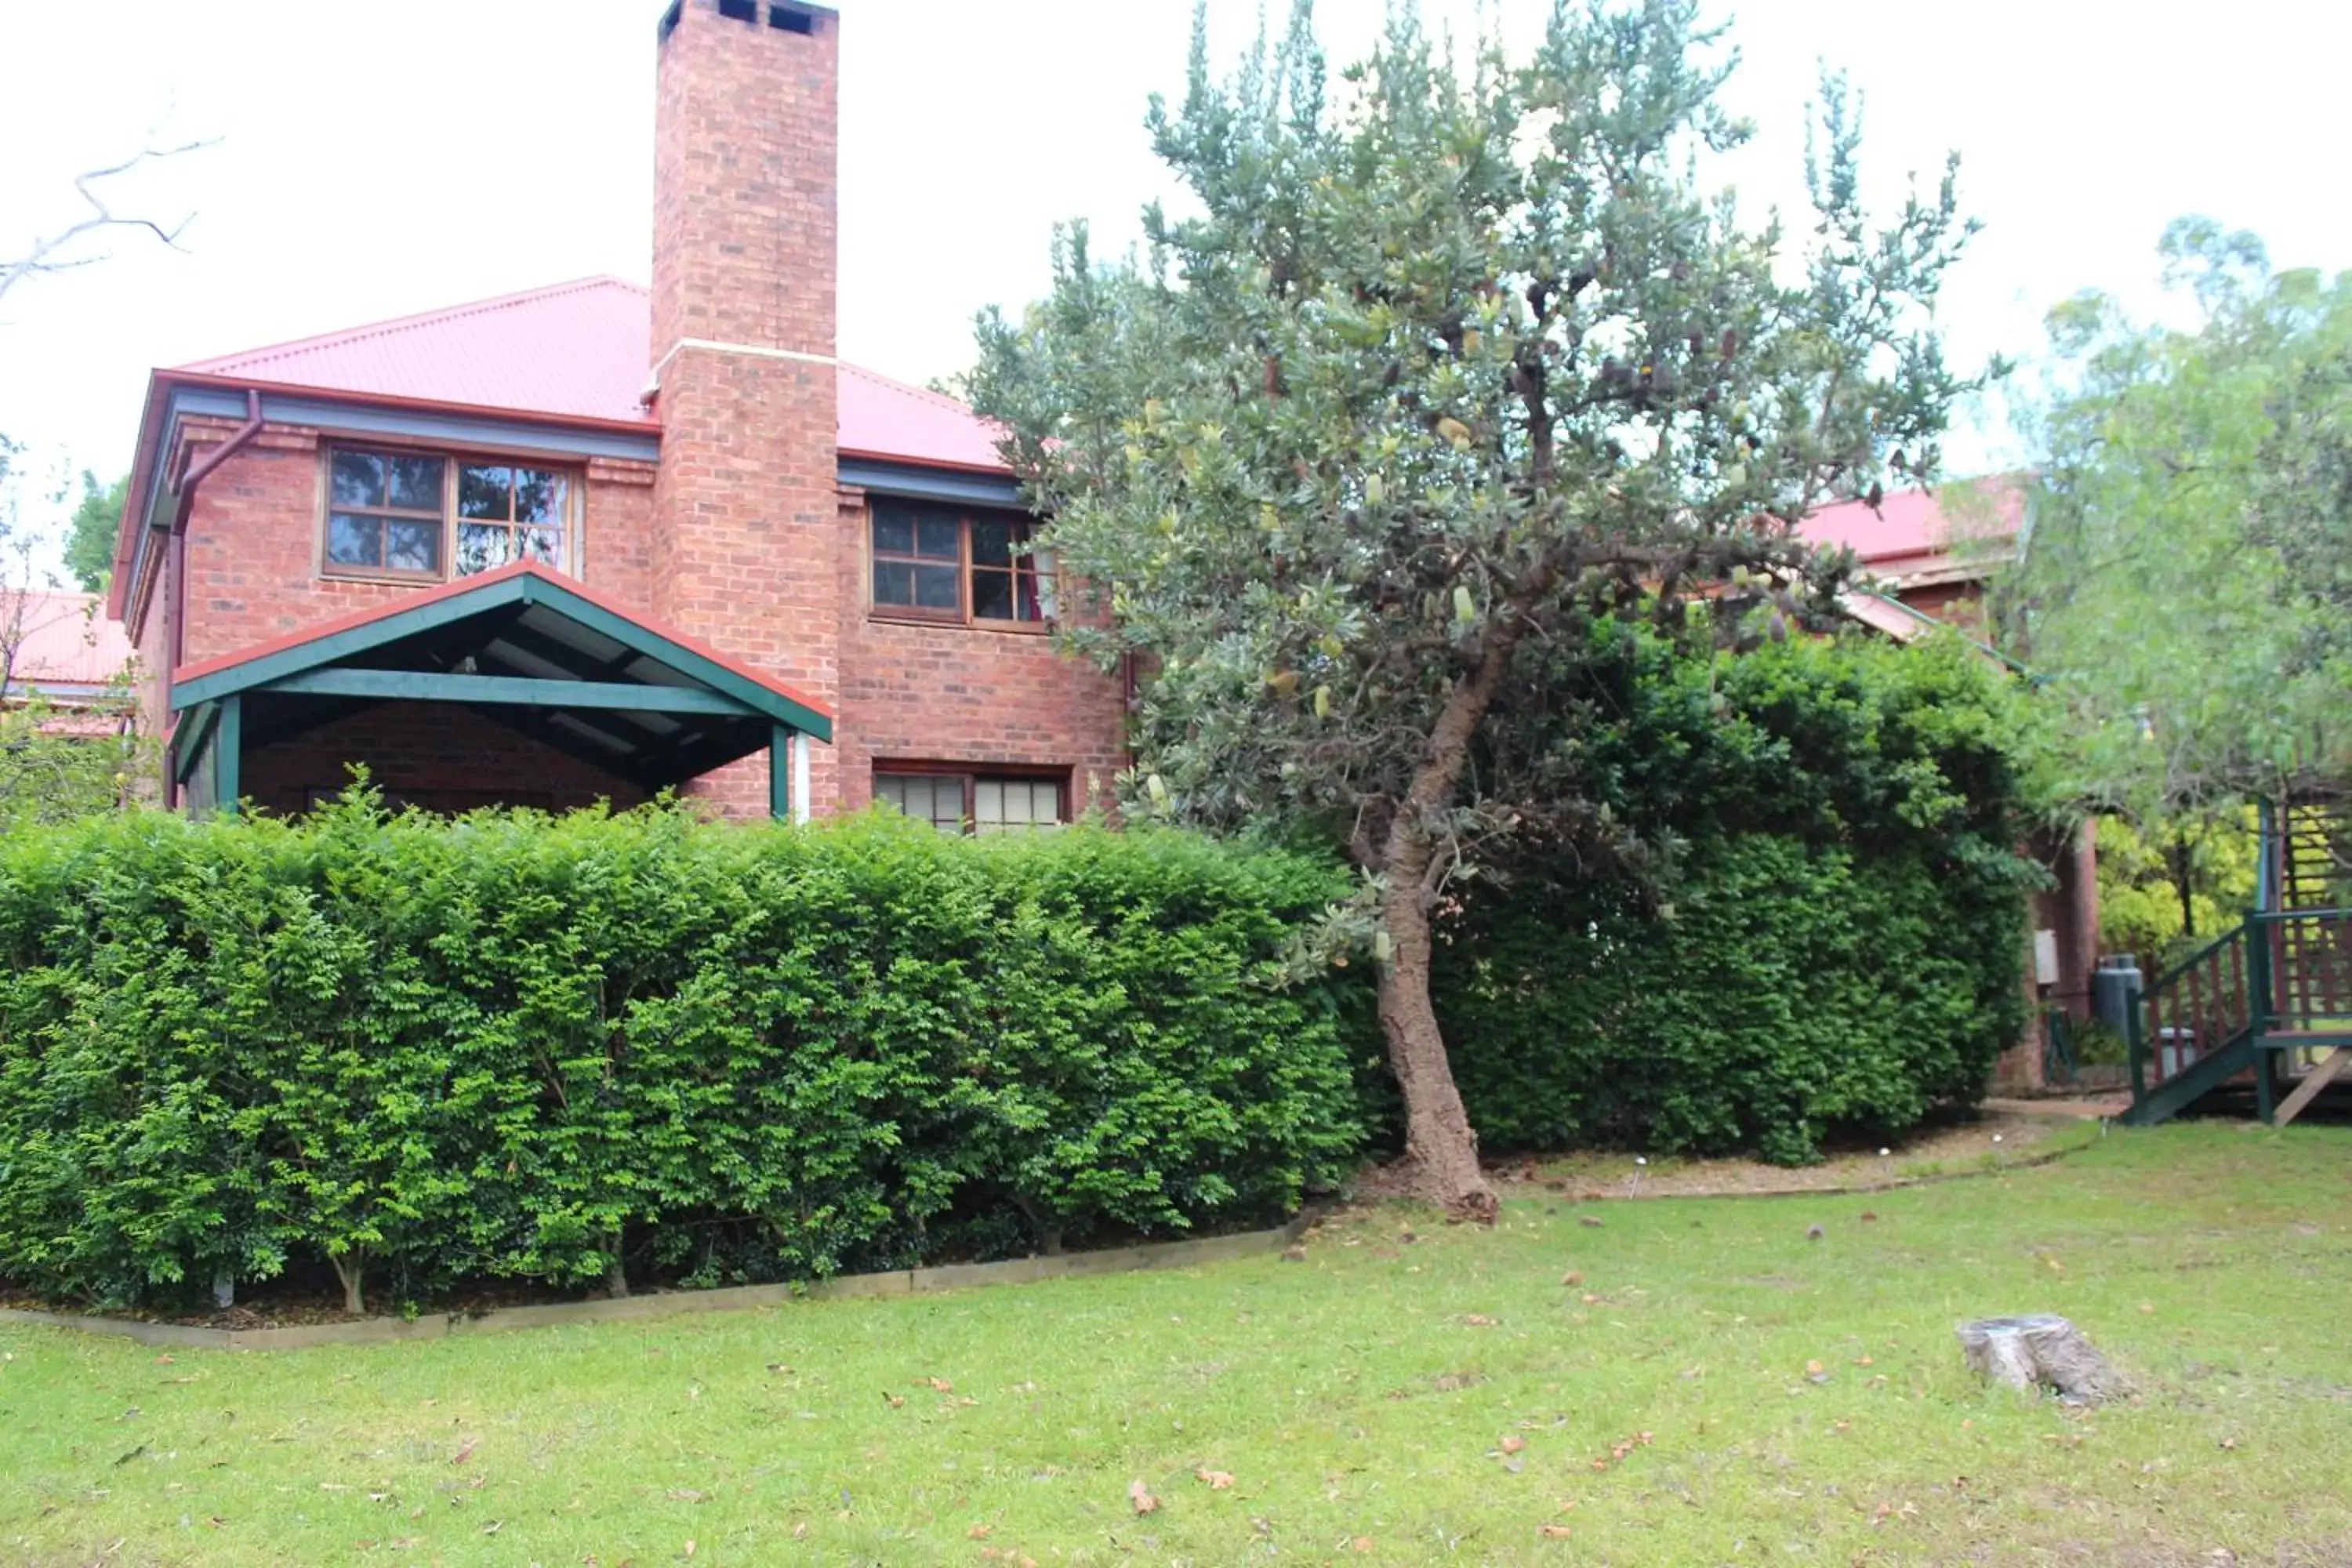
x: 385, y: 579
x: 941, y: 622
x: 418, y: 580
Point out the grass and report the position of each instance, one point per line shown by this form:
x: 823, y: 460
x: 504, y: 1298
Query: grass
x: 1716, y: 1388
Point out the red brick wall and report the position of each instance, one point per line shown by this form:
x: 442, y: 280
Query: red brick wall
x: 744, y: 509
x: 438, y: 755
x: 253, y: 544
x: 911, y: 692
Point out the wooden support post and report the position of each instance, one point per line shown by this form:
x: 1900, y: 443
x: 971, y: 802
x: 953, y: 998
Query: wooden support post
x: 2265, y: 1081
x: 2258, y: 971
x: 2322, y: 1074
x: 780, y: 774
x: 228, y: 753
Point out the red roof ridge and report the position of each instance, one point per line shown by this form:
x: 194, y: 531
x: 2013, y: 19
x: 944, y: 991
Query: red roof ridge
x: 941, y: 398
x: 226, y: 364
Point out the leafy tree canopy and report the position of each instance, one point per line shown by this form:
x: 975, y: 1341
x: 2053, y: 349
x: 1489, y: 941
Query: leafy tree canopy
x: 89, y: 536
x: 2187, y: 580
x: 1447, y: 366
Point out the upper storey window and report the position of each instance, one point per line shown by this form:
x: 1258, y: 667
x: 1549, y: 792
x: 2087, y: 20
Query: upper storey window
x: 415, y: 518
x: 960, y: 565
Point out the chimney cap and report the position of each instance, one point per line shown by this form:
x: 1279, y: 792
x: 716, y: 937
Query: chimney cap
x: 784, y: 16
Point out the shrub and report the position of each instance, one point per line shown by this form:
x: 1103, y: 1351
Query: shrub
x: 517, y: 1045
x: 1829, y: 937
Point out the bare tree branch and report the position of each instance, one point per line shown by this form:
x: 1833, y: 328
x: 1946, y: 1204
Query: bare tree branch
x: 47, y: 254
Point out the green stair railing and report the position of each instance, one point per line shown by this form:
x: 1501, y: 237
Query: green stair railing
x: 2195, y: 1011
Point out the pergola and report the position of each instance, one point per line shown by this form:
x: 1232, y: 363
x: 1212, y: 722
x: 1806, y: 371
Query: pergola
x: 539, y: 653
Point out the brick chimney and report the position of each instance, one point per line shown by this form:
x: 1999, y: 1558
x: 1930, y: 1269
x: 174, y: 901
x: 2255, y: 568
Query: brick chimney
x: 746, y: 519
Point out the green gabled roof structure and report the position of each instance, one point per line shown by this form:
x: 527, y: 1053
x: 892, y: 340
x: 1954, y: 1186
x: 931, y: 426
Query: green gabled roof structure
x: 542, y: 653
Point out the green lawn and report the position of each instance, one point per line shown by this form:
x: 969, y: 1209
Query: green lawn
x: 1717, y: 1388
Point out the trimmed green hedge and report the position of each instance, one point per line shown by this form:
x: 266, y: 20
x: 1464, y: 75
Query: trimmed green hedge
x: 512, y: 1046
x: 1829, y: 940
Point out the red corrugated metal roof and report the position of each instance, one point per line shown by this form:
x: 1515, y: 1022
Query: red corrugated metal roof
x: 68, y: 640
x: 578, y: 350
x: 1914, y: 530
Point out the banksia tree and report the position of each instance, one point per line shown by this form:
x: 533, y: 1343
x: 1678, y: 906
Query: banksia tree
x: 1449, y: 366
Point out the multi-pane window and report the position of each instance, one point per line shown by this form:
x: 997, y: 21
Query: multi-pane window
x: 951, y: 563
x: 403, y: 514
x: 509, y: 514
x: 384, y: 513
x: 974, y: 803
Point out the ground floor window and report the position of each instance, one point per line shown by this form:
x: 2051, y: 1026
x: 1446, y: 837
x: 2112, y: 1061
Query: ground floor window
x: 956, y: 802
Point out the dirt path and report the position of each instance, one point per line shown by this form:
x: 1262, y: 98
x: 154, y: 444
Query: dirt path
x: 2004, y: 1136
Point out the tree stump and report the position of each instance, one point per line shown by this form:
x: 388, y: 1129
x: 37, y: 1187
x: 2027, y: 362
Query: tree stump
x: 2040, y: 1350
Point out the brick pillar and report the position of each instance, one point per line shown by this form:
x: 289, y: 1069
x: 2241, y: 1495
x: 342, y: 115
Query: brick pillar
x: 745, y: 515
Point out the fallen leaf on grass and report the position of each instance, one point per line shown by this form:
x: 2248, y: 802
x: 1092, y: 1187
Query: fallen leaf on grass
x: 1589, y: 1222
x: 1219, y: 1480
x: 942, y: 1386
x: 1141, y: 1495
x: 800, y: 1530
x: 896, y: 1401
x: 979, y: 1532
x: 465, y: 1450
x: 1512, y: 1443
x: 1479, y: 1321
x: 1362, y: 1543
x: 1572, y: 1277
x: 686, y: 1494
x: 1552, y: 1532
x: 494, y: 1526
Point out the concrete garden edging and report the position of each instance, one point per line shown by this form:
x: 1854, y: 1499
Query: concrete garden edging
x: 679, y: 1303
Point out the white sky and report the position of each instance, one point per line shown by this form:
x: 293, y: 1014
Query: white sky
x: 383, y: 158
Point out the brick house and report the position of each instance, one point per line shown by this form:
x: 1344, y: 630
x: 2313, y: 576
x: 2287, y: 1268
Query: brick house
x: 595, y: 539
x: 1924, y: 558
x: 1926, y: 555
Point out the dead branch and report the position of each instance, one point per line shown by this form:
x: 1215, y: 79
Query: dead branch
x: 49, y: 254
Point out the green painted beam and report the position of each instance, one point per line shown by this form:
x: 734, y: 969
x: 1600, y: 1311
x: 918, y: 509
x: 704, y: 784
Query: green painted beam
x: 780, y: 774
x: 425, y: 686
x: 684, y: 659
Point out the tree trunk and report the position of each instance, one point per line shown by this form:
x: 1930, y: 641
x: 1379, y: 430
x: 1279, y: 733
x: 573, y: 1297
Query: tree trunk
x: 617, y: 1276
x: 2180, y: 880
x: 1440, y: 1144
x: 351, y: 1270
